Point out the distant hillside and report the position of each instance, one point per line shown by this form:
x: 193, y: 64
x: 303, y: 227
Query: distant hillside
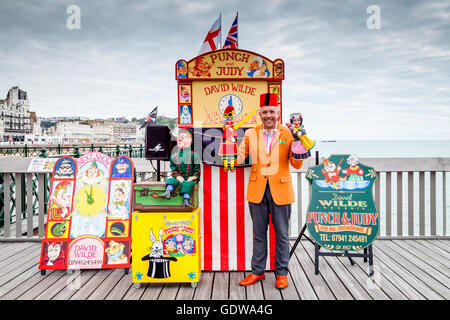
x: 162, y: 120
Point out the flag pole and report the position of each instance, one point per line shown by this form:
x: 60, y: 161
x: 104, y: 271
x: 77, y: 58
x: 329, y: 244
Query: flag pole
x: 237, y: 29
x: 220, y: 38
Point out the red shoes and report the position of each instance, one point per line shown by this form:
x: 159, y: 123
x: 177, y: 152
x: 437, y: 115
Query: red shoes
x: 251, y: 279
x: 282, y: 282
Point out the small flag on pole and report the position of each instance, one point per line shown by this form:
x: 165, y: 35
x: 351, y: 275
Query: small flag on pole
x: 151, y: 119
x: 213, y: 38
x: 231, y: 42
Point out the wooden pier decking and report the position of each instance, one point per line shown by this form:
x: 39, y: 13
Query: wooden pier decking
x: 404, y: 270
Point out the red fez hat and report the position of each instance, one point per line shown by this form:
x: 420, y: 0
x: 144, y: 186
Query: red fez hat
x: 268, y: 100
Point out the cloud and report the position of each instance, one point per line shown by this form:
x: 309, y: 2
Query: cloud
x: 344, y: 78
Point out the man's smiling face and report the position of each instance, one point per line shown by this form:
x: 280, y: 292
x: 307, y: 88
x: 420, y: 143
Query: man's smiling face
x: 269, y: 116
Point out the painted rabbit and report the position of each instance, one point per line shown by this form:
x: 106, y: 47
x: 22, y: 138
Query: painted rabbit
x: 157, y: 246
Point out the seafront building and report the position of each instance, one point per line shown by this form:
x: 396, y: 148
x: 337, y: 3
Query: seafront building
x: 20, y: 125
x: 15, y: 116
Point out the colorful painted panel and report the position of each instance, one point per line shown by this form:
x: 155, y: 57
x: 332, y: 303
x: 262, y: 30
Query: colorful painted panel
x: 166, y: 247
x: 88, y: 224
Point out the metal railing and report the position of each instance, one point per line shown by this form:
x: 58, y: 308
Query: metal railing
x: 410, y: 193
x: 55, y: 151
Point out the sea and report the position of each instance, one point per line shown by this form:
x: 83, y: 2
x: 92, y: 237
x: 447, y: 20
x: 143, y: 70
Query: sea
x: 384, y: 148
x: 392, y: 149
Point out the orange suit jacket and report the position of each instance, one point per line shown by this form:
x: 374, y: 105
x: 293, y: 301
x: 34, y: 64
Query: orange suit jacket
x: 272, y: 166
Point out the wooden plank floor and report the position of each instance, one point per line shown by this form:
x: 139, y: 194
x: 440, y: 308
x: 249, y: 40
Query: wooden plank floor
x: 404, y: 270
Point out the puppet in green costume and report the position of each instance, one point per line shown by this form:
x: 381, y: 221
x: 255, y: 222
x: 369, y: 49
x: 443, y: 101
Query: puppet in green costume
x: 185, y: 167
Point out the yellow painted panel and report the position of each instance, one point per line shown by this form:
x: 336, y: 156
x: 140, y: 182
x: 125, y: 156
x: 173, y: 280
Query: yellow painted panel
x: 166, y: 246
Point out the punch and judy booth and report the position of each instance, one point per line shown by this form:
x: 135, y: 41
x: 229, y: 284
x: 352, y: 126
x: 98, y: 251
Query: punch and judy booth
x: 221, y: 84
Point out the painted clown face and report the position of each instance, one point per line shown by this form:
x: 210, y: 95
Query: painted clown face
x: 93, y: 172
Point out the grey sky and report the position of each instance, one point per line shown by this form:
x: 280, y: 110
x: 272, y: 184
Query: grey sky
x: 349, y: 82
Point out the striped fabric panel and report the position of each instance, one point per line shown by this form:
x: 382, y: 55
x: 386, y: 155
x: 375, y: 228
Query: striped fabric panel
x: 227, y: 238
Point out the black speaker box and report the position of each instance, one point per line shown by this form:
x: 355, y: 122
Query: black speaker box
x: 157, y: 142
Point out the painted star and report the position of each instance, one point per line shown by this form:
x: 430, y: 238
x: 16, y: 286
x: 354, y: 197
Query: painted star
x: 192, y: 275
x: 138, y: 276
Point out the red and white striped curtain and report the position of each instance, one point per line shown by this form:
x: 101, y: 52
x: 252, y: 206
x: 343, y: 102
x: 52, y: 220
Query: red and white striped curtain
x: 226, y: 224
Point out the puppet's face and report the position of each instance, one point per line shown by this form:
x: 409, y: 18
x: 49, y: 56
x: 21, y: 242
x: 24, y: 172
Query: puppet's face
x: 296, y: 120
x: 54, y: 251
x: 184, y: 140
x: 228, y: 121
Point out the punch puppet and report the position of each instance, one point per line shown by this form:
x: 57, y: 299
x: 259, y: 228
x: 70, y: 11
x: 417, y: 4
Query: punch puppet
x: 228, y: 147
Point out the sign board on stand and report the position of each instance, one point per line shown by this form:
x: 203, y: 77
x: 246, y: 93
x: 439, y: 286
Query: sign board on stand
x: 342, y: 215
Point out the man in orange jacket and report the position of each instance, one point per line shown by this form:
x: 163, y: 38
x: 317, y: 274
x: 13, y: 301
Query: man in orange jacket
x: 270, y: 189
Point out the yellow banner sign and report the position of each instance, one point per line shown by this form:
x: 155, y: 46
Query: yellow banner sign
x: 211, y: 99
x: 230, y: 64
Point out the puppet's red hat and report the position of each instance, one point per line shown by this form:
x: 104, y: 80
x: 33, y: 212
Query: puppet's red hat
x: 268, y: 100
x: 228, y: 112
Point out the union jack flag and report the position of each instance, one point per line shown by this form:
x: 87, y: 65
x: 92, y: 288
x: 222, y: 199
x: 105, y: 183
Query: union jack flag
x: 231, y: 42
